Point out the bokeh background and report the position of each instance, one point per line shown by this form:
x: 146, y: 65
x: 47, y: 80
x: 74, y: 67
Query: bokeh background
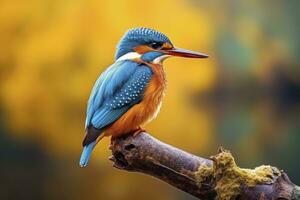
x: 245, y: 97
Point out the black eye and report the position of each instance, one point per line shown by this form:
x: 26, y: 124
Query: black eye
x: 156, y: 45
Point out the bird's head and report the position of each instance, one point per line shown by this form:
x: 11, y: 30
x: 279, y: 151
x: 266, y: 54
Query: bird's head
x: 150, y: 46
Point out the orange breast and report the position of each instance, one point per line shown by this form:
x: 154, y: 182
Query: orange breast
x: 146, y: 110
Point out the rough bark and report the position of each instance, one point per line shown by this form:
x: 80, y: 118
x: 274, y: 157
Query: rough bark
x: 214, y: 178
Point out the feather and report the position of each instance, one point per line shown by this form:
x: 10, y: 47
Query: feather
x: 92, y: 134
x: 86, y: 154
x: 121, y: 87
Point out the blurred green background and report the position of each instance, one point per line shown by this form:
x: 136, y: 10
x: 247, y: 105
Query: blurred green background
x: 245, y: 97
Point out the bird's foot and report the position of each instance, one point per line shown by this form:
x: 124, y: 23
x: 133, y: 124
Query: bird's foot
x: 138, y: 131
x: 112, y: 140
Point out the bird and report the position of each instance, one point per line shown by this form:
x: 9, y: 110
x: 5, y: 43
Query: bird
x: 129, y: 93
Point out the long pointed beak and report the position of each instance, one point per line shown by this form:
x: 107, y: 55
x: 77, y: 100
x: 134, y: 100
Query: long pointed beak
x: 185, y: 53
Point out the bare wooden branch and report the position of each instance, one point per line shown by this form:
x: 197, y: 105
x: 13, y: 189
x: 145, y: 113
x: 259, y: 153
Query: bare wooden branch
x: 214, y: 178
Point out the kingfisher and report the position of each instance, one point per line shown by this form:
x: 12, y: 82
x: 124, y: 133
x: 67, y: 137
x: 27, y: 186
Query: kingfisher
x: 129, y: 93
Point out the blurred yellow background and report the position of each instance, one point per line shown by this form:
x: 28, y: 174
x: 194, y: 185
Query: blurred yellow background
x: 245, y: 97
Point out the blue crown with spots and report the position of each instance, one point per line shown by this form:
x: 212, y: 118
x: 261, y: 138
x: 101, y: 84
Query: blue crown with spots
x: 139, y: 36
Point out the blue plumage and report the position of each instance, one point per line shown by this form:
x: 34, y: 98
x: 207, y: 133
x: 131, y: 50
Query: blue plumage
x: 86, y: 153
x: 116, y: 91
x: 107, y: 84
x: 119, y: 88
x: 150, y: 56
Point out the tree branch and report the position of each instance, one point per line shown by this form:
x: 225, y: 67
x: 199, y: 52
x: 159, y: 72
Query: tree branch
x: 215, y: 178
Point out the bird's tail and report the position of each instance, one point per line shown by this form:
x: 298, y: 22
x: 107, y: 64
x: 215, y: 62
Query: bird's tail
x: 86, y: 154
x: 92, y: 137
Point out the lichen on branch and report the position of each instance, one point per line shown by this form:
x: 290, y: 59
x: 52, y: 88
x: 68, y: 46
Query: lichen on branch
x: 296, y: 193
x: 228, y: 178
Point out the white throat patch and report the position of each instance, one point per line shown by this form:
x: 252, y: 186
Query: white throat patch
x: 135, y: 55
x: 159, y: 59
x: 129, y: 56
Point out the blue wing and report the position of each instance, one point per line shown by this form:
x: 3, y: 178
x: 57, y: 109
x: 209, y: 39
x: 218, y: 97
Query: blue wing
x: 119, y: 88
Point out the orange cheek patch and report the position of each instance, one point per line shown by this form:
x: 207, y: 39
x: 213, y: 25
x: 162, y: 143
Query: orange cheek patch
x: 142, y: 49
x: 167, y: 45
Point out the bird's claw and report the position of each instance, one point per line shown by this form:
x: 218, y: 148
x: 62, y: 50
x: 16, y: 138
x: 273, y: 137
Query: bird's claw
x: 138, y: 131
x: 112, y: 141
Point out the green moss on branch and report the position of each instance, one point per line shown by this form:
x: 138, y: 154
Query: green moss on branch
x: 229, y: 178
x: 296, y: 193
